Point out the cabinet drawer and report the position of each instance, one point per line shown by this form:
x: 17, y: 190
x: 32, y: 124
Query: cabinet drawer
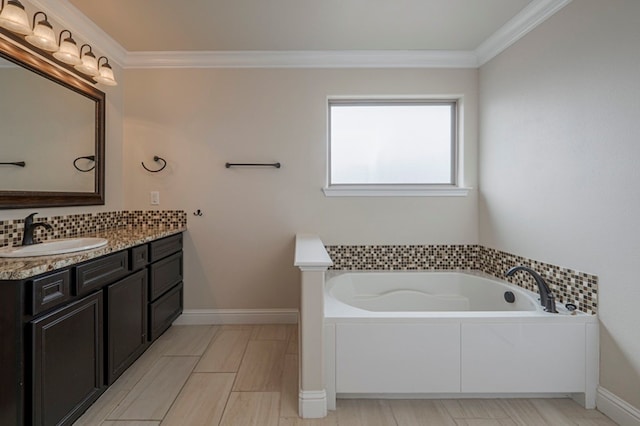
x: 164, y: 274
x: 139, y: 257
x: 164, y: 247
x: 164, y: 311
x: 50, y: 291
x: 97, y: 273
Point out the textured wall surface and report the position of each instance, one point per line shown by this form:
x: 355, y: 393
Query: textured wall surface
x: 559, y: 162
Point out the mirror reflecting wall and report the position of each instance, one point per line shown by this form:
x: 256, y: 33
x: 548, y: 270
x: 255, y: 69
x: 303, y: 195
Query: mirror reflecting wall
x: 52, y: 122
x: 47, y: 127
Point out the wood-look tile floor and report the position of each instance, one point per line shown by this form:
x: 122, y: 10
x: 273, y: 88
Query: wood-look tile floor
x: 237, y: 375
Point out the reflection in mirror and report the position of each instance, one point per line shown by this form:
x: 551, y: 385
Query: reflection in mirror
x: 54, y: 123
x: 47, y: 127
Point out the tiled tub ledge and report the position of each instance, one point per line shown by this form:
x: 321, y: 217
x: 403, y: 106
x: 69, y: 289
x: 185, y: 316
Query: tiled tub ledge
x: 118, y: 239
x: 568, y: 285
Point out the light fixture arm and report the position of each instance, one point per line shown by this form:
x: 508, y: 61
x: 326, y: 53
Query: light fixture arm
x: 60, y: 36
x: 90, y: 49
x: 46, y: 18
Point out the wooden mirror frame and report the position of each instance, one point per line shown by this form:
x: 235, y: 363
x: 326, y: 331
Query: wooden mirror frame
x: 25, y: 199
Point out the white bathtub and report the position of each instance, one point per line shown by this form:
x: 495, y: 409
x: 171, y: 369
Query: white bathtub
x: 428, y: 292
x: 443, y: 334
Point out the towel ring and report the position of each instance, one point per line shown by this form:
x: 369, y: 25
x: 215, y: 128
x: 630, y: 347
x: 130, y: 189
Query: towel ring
x: 156, y: 159
x: 86, y: 157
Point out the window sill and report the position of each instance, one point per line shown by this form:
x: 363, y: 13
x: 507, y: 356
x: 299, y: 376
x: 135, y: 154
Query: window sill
x: 394, y: 191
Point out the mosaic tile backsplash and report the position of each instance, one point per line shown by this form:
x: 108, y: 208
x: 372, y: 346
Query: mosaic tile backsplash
x: 75, y: 225
x: 567, y: 285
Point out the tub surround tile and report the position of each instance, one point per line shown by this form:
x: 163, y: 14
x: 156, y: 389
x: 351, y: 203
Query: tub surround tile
x: 568, y: 285
x: 404, y: 257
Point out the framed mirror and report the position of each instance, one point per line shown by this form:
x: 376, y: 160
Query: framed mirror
x: 52, y: 134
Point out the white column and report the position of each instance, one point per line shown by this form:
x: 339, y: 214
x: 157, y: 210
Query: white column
x: 313, y: 260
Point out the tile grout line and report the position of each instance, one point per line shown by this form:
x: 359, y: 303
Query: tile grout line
x: 235, y: 377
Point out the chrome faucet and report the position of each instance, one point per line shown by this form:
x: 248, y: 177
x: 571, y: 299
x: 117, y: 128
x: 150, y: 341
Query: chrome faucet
x: 547, y: 299
x: 30, y: 227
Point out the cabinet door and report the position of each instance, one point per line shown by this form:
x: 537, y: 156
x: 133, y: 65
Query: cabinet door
x: 67, y: 369
x: 126, y: 323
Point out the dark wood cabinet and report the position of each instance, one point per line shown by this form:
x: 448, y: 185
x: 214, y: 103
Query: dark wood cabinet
x: 67, y: 362
x: 126, y: 326
x: 165, y: 284
x: 69, y: 333
x: 95, y: 274
x: 164, y: 310
x: 165, y: 274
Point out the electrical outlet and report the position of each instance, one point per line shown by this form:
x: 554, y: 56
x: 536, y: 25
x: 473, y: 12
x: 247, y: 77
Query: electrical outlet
x: 155, y: 198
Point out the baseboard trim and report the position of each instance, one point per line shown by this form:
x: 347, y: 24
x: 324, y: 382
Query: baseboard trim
x: 617, y: 409
x: 312, y: 404
x: 237, y: 316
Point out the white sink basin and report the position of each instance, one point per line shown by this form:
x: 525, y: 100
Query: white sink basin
x: 48, y: 248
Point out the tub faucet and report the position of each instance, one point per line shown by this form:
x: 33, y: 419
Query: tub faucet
x: 547, y: 299
x: 30, y: 227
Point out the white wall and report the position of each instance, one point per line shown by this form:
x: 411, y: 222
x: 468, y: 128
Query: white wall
x: 240, y: 253
x: 559, y: 150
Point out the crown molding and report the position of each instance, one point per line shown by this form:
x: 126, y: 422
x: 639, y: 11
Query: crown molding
x: 303, y: 59
x: 69, y: 17
x: 536, y: 12
x: 517, y: 27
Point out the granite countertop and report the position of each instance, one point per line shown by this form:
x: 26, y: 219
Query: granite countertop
x: 119, y: 239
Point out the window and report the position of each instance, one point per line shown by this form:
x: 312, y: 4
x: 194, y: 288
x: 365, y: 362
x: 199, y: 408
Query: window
x: 392, y: 147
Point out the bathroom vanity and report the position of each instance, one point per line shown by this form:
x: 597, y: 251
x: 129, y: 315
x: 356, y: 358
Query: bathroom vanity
x: 71, y: 325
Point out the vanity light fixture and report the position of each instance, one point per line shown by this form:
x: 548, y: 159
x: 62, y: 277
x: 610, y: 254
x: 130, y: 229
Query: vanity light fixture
x: 106, y: 73
x: 89, y: 63
x: 68, y: 51
x: 43, y: 35
x: 14, y: 18
x: 40, y: 34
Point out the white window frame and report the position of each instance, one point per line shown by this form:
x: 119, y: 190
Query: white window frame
x: 449, y: 190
